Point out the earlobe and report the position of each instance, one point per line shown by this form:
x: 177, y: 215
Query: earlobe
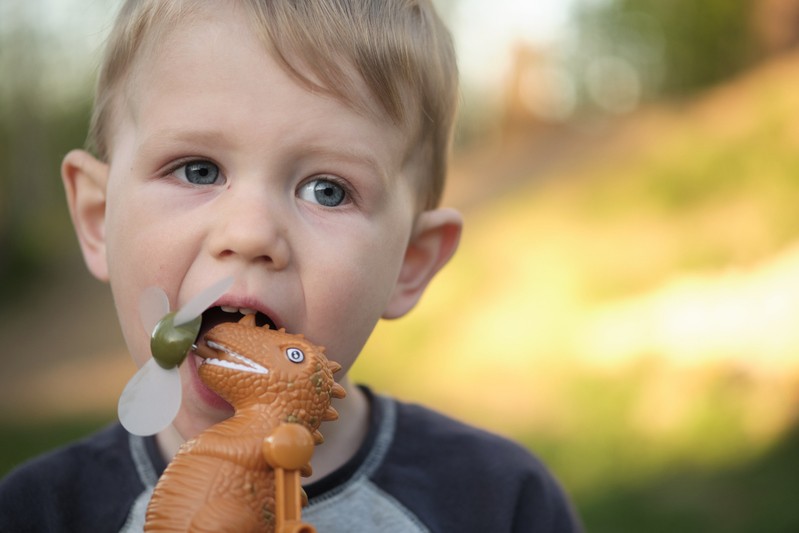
x: 434, y: 241
x: 85, y: 179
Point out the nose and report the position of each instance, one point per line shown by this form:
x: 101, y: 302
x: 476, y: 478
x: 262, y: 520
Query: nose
x: 247, y: 225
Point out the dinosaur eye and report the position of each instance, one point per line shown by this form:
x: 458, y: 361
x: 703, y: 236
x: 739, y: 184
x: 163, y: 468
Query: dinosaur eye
x: 295, y: 355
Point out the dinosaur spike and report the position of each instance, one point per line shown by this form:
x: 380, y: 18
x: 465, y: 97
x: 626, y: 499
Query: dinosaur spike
x: 337, y: 391
x: 333, y: 366
x: 330, y: 414
x: 317, y: 437
x: 248, y: 320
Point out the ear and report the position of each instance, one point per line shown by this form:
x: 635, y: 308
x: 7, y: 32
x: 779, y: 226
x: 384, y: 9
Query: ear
x: 85, y: 179
x: 433, y: 242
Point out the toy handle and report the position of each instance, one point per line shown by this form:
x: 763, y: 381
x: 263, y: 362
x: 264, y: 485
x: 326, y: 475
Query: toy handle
x: 288, y: 501
x: 295, y: 526
x: 288, y: 449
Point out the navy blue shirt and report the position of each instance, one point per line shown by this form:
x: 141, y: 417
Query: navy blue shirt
x: 417, y: 470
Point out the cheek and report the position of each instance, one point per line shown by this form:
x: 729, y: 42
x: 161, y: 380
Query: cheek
x: 349, y: 294
x: 126, y: 229
x: 126, y: 292
x: 126, y: 285
x: 136, y: 249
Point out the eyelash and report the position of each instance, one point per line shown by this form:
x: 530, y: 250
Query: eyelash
x: 349, y: 195
x: 185, y: 163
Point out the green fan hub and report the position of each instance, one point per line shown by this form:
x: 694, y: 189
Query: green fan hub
x: 170, y: 344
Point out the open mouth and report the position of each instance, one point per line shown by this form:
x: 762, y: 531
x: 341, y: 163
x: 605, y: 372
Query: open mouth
x: 219, y: 315
x: 221, y: 355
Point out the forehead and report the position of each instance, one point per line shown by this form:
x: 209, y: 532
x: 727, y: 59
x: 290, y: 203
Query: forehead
x: 184, y: 72
x: 202, y: 29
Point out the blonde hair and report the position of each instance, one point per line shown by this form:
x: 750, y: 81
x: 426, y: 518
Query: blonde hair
x: 400, y: 49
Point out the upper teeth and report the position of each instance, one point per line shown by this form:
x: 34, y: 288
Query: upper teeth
x: 242, y: 310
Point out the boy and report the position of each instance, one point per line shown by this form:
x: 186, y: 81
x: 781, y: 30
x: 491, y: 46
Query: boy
x: 299, y: 147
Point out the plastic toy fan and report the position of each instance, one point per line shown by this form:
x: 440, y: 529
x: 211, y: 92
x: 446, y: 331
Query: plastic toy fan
x: 151, y: 399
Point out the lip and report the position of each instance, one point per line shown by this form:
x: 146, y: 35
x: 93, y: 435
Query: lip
x: 193, y: 361
x: 209, y: 397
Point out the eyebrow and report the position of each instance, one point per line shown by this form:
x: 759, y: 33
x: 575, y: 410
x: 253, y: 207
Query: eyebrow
x: 350, y: 154
x: 216, y: 139
x: 203, y: 137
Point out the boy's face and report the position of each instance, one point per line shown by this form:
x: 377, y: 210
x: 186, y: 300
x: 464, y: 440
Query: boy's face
x: 222, y: 165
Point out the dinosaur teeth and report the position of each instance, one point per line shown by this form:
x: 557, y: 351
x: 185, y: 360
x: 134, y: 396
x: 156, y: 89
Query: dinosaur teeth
x: 236, y: 366
x: 240, y: 363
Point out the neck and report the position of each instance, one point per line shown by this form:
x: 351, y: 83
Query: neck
x: 342, y: 436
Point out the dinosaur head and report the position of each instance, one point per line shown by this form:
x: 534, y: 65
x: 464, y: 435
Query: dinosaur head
x: 246, y: 364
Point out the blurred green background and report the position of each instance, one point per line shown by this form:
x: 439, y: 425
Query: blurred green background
x: 626, y: 298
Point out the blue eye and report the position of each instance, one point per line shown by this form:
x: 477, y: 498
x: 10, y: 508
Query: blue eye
x: 323, y: 192
x: 198, y: 173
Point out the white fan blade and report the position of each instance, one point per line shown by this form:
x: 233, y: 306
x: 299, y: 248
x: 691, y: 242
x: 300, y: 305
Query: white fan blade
x: 202, y: 301
x: 153, y: 305
x: 150, y: 400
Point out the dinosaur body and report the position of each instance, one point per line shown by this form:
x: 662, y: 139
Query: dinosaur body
x: 220, y: 481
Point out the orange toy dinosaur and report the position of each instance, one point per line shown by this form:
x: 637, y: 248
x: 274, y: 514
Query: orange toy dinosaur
x: 225, y: 479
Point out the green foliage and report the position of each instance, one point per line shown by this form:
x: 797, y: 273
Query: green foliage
x: 754, y: 496
x: 44, y: 112
x: 677, y: 46
x: 34, y: 225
